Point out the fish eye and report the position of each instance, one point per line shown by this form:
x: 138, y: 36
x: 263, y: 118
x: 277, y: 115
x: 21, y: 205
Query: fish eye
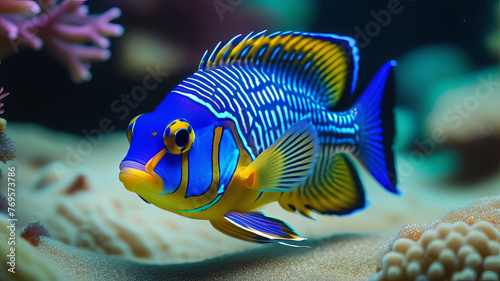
x: 178, y: 136
x: 130, y: 129
x: 181, y: 138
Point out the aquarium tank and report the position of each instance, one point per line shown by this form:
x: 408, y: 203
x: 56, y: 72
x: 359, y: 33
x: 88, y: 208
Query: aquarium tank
x: 250, y: 140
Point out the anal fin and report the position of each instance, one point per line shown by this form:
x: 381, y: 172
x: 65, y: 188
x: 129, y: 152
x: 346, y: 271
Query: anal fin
x: 256, y: 227
x: 334, y: 190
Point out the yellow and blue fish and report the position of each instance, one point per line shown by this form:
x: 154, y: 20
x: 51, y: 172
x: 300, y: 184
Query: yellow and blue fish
x: 258, y: 123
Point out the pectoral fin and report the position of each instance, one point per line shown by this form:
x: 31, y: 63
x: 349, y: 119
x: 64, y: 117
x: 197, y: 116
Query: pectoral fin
x: 256, y: 227
x: 287, y: 163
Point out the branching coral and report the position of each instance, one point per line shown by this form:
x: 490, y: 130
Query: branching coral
x: 65, y: 29
x: 2, y: 96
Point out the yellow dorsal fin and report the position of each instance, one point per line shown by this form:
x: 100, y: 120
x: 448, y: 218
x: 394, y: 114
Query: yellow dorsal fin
x: 287, y: 163
x: 324, y: 66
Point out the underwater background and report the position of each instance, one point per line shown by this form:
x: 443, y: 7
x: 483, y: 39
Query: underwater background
x: 68, y: 130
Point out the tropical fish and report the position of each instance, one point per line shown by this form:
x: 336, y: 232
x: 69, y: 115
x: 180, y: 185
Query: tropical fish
x: 260, y: 122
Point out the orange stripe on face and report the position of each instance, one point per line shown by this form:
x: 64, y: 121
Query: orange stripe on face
x: 150, y: 166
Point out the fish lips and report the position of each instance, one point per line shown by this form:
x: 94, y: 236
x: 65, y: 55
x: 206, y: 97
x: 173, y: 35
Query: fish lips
x: 135, y: 178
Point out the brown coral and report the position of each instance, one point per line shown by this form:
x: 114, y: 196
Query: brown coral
x: 7, y: 149
x: 4, y: 204
x: 33, y: 232
x: 32, y: 267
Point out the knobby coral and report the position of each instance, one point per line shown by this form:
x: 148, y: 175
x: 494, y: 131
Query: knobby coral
x: 65, y: 29
x: 462, y: 245
x: 449, y: 252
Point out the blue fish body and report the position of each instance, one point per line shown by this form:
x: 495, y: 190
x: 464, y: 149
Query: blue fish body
x: 256, y: 124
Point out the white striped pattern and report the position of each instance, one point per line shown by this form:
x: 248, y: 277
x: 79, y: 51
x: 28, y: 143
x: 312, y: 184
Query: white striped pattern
x: 264, y: 110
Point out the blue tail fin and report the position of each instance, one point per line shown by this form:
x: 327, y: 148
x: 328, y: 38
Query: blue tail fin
x: 376, y: 121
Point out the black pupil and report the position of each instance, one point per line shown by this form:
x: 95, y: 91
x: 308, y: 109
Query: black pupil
x: 181, y: 138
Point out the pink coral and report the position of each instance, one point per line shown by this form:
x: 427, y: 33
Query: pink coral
x: 2, y: 96
x: 64, y: 28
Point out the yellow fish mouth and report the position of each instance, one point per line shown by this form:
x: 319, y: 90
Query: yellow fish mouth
x: 136, y: 179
